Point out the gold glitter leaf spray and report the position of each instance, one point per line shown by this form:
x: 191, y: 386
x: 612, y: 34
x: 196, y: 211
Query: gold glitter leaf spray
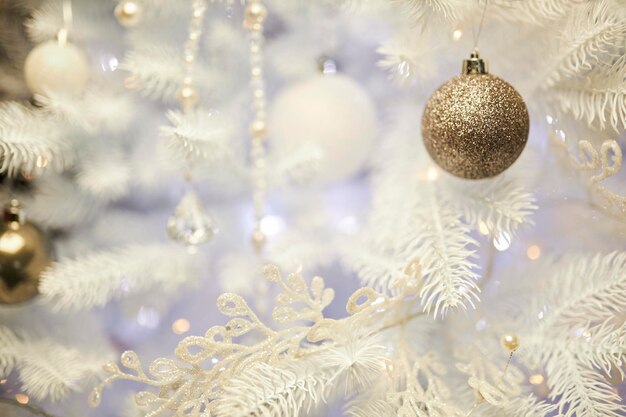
x: 475, y: 125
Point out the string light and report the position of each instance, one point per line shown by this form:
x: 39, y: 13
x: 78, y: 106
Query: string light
x: 22, y: 398
x: 181, y: 326
x: 536, y: 379
x: 533, y: 252
x: 457, y: 34
x: 432, y: 174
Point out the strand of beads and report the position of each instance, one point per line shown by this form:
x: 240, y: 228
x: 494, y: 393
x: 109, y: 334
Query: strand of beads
x: 187, y: 95
x: 190, y: 224
x: 255, y: 14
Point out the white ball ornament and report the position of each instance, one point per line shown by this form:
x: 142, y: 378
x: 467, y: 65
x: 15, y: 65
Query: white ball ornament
x: 331, y: 112
x: 59, y: 68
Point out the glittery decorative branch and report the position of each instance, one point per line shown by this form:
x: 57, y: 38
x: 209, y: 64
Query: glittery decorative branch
x: 206, y: 365
x: 601, y: 164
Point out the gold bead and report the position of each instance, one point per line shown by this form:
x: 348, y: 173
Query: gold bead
x: 510, y: 342
x: 258, y: 129
x: 258, y: 240
x: 254, y: 14
x: 128, y: 13
x: 187, y: 97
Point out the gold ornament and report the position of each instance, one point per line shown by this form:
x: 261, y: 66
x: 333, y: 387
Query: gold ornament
x: 24, y: 254
x: 475, y: 125
x: 128, y: 13
x: 509, y: 342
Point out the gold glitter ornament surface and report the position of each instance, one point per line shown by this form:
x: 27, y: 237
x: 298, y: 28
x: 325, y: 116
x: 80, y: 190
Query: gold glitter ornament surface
x: 25, y: 252
x: 475, y: 125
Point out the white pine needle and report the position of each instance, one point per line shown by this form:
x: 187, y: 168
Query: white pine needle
x: 204, y: 134
x: 97, y: 278
x: 591, y: 33
x: 501, y: 205
x: 267, y: 391
x: 31, y: 140
x: 600, y: 99
x: 46, y: 369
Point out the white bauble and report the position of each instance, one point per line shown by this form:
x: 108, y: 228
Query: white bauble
x: 331, y: 112
x: 56, y: 68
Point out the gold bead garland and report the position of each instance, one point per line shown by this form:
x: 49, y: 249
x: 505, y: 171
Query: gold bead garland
x: 254, y: 18
x: 189, y: 223
x: 187, y: 95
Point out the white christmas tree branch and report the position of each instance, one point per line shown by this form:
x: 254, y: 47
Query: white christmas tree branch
x: 202, y: 134
x: 582, y: 391
x: 539, y: 12
x: 46, y: 369
x: 592, y: 31
x: 268, y: 391
x: 501, y: 205
x: 59, y: 203
x: 97, y: 278
x: 600, y: 99
x: 578, y: 334
x: 103, y: 157
x: 100, y: 108
x: 441, y: 242
x: 31, y: 140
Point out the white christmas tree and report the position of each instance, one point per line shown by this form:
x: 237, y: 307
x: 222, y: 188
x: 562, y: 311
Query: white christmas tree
x: 282, y: 140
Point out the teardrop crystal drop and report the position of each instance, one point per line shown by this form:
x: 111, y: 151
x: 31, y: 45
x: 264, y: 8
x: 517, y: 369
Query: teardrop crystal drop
x: 190, y: 224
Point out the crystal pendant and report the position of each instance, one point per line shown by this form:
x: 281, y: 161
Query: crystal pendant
x: 190, y: 224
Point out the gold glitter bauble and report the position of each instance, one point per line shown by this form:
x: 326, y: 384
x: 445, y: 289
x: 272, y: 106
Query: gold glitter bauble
x: 475, y: 125
x: 24, y: 253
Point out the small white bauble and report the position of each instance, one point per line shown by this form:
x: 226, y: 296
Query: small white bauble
x: 333, y: 113
x: 56, y: 68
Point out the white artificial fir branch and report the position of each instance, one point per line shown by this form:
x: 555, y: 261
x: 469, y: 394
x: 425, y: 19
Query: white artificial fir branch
x: 441, y: 242
x: 501, y: 205
x: 156, y: 70
x: 268, y: 391
x: 97, y: 278
x: 592, y: 32
x: 582, y: 391
x: 448, y: 10
x: 576, y: 333
x: 45, y: 369
x: 375, y: 268
x: 408, y: 56
x: 201, y: 134
x: 101, y: 158
x: 98, y: 109
x: 31, y: 140
x: 538, y: 12
x: 60, y: 203
x: 599, y: 100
